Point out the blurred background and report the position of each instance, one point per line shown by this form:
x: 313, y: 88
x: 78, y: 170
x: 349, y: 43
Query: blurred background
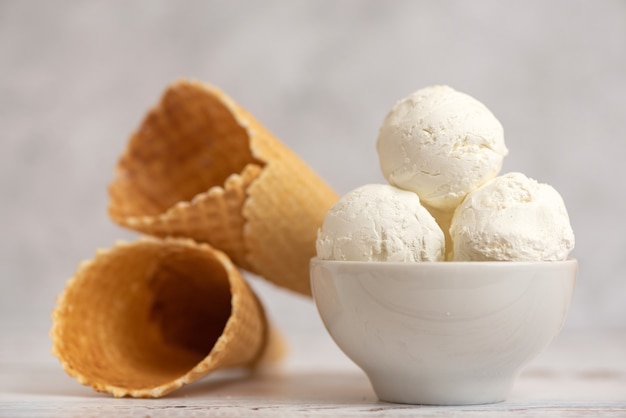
x: 76, y: 78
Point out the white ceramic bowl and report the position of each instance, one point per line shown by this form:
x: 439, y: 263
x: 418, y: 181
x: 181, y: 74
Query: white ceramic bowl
x: 444, y: 333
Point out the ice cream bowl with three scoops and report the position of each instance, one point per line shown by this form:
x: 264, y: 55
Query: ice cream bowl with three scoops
x: 443, y: 333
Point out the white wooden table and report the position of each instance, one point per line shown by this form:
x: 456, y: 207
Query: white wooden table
x: 581, y: 374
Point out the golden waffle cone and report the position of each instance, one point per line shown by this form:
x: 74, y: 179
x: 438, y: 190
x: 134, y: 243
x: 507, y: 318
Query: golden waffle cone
x: 201, y: 167
x: 144, y: 318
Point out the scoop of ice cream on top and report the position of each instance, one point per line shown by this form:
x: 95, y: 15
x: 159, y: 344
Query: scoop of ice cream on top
x: 440, y: 144
x: 512, y: 218
x: 379, y: 222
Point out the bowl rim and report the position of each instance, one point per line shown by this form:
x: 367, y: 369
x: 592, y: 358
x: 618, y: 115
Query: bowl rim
x: 443, y: 264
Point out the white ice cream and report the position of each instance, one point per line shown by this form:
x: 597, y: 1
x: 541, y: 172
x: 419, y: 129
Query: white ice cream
x: 440, y: 144
x: 379, y: 222
x: 512, y: 218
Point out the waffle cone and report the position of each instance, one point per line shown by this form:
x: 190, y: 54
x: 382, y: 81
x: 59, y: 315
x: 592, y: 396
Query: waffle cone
x: 202, y: 167
x: 144, y: 318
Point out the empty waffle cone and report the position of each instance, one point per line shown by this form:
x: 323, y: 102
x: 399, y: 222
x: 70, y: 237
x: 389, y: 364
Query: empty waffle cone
x: 201, y: 167
x: 144, y: 318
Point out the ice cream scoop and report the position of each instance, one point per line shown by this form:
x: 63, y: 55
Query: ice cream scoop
x: 379, y: 222
x: 440, y: 144
x: 512, y: 218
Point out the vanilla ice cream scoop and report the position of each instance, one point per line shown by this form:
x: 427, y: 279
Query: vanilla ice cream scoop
x: 512, y: 218
x: 440, y: 144
x: 378, y: 222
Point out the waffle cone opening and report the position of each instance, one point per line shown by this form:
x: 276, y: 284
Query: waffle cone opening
x: 185, y: 146
x: 142, y: 319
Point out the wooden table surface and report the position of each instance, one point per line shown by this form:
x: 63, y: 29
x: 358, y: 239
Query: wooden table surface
x: 580, y: 374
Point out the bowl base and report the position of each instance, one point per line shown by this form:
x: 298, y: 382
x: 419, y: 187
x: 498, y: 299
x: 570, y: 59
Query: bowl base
x: 438, y: 390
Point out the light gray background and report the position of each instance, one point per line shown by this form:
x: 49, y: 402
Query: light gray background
x: 76, y: 78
